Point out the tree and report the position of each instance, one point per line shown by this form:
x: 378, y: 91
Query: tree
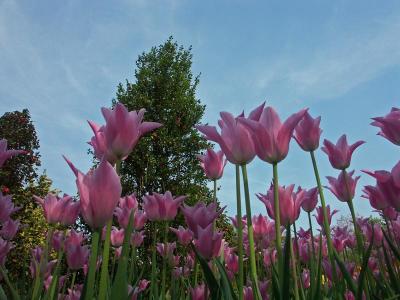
x: 166, y: 159
x: 19, y: 177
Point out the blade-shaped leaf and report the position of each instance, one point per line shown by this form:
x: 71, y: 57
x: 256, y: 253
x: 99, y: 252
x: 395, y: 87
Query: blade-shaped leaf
x: 285, y: 291
x: 227, y: 289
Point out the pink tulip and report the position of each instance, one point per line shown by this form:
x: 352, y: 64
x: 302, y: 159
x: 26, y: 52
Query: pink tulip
x: 137, y: 238
x: 117, y: 237
x: 75, y: 293
x: 139, y: 219
x: 7, y: 154
x: 208, y: 243
x: 9, y: 229
x: 162, y: 207
x: 305, y: 278
x: 213, y: 164
x: 271, y: 137
x: 57, y: 240
x: 6, y: 207
x: 199, y: 292
x: 310, y: 199
x: 320, y: 216
x: 184, y: 236
x: 340, y: 154
x: 45, y: 270
x: 375, y: 196
x: 235, y: 221
x: 200, y: 215
x: 235, y: 139
x: 71, y: 212
x: 344, y: 186
x: 389, y: 125
x: 166, y: 250
x: 374, y: 231
x: 390, y: 213
x: 5, y: 247
x: 74, y: 238
x: 77, y: 256
x: 100, y: 191
x: 123, y: 129
x: 232, y: 263
x: 289, y: 203
x: 263, y: 229
x: 307, y: 133
x: 339, y: 244
x: 134, y: 292
x: 248, y: 293
x: 388, y: 185
x: 53, y: 207
x: 123, y: 215
x: 128, y: 202
x: 270, y: 256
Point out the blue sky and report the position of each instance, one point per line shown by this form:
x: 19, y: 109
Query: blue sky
x: 64, y: 59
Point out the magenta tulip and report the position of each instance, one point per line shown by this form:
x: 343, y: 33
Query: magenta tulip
x: 166, y: 250
x: 7, y: 207
x: 289, y: 203
x: 184, y: 236
x: 122, y: 131
x: 389, y: 125
x: 200, y: 215
x: 53, y: 207
x: 199, y: 292
x: 162, y: 207
x: 99, y: 191
x: 340, y: 154
x: 375, y: 196
x: 7, y: 154
x: 344, y: 186
x: 117, y: 236
x: 137, y: 238
x: 320, y: 216
x: 208, y: 243
x: 310, y: 199
x: 9, y: 229
x: 5, y: 247
x: 74, y: 238
x: 213, y: 164
x: 57, y: 240
x: 307, y: 133
x: 271, y: 137
x: 77, y: 256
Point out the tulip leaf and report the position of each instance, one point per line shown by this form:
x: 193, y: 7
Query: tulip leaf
x: 211, y: 281
x: 349, y: 280
x: 2, y: 294
x: 227, y: 289
x: 275, y: 283
x: 317, y: 295
x: 285, y: 292
x: 392, y: 276
x: 364, y: 269
x: 392, y: 246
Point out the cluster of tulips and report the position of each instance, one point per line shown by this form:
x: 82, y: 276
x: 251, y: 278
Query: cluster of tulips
x: 270, y: 258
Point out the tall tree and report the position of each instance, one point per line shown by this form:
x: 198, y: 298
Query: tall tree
x: 166, y: 159
x: 19, y: 177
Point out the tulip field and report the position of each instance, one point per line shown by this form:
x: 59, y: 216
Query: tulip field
x: 132, y: 250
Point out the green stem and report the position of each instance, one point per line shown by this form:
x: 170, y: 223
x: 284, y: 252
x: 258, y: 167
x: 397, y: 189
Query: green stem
x: 196, y: 271
x: 92, y: 265
x: 133, y: 264
x: 278, y: 240
x: 295, y: 277
x: 215, y: 201
x: 239, y: 233
x: 253, y: 266
x: 164, y: 270
x: 14, y: 293
x: 326, y: 226
x: 312, y: 234
x: 104, y: 266
x: 153, y: 265
x: 73, y: 280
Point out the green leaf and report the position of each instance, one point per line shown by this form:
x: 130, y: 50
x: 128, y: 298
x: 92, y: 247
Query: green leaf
x: 317, y: 294
x: 275, y: 284
x: 364, y: 270
x: 392, y: 276
x: 347, y: 277
x: 285, y: 292
x: 392, y: 246
x: 212, y: 283
x: 227, y: 289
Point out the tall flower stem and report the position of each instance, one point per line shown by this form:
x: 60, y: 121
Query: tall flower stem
x: 92, y: 265
x: 253, y: 266
x: 164, y: 266
x: 277, y: 217
x: 294, y: 269
x: 104, y: 266
x: 312, y: 234
x: 326, y: 226
x: 215, y: 201
x: 153, y: 265
x: 239, y: 233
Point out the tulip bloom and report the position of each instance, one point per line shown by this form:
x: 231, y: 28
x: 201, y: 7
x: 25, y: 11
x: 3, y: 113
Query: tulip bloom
x: 74, y: 238
x: 344, y: 186
x: 6, y: 154
x: 184, y: 236
x: 6, y: 207
x: 235, y: 139
x: 389, y: 125
x: 271, y: 137
x: 375, y: 196
x: 5, y: 247
x: 200, y: 215
x: 162, y: 207
x: 340, y: 154
x: 137, y: 238
x: 99, y: 190
x: 289, y: 203
x: 208, y: 243
x: 200, y: 292
x: 166, y: 250
x: 213, y: 164
x: 77, y: 256
x: 122, y: 131
x: 307, y: 133
x: 310, y: 199
x: 320, y: 215
x: 9, y: 229
x: 117, y: 237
